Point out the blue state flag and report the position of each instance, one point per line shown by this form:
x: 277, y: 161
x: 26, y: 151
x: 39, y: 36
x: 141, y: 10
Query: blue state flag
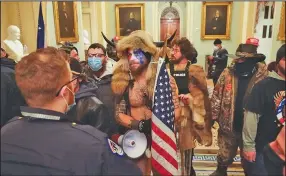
x: 41, y: 29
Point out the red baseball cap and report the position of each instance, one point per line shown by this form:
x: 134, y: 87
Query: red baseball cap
x: 252, y: 41
x: 116, y: 38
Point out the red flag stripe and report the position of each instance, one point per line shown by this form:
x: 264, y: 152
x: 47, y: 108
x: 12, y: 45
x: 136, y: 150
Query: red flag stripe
x: 159, y: 168
x: 163, y: 127
x: 164, y: 153
x: 164, y: 145
x: 162, y: 135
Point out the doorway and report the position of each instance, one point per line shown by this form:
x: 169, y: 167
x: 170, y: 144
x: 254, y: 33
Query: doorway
x: 169, y: 22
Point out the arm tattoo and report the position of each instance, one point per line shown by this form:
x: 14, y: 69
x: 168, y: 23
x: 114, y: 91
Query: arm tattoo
x: 120, y: 108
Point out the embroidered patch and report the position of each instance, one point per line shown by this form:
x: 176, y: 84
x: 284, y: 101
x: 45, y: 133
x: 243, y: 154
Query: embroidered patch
x: 116, y: 149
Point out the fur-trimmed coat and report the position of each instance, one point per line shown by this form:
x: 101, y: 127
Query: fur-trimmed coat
x: 225, y: 91
x: 195, y: 120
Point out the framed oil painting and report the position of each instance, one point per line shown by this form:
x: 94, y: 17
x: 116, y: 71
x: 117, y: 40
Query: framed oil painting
x: 129, y: 17
x: 281, y: 33
x: 216, y: 20
x: 65, y: 17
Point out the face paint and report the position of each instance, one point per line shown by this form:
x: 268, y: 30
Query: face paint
x: 139, y: 55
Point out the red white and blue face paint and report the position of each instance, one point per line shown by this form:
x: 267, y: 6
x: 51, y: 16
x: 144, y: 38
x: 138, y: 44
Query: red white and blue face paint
x: 136, y: 54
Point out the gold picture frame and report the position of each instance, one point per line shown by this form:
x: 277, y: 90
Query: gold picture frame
x: 281, y: 33
x: 212, y: 27
x: 123, y: 14
x: 66, y: 21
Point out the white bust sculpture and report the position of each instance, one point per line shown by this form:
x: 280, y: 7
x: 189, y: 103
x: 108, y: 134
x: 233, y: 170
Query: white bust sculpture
x: 12, y: 45
x: 85, y: 39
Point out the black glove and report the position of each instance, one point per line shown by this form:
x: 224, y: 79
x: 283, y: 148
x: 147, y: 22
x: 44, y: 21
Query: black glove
x: 144, y: 126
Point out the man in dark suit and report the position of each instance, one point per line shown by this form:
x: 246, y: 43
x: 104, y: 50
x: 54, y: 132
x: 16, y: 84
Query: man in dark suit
x: 132, y: 24
x: 217, y: 24
x: 66, y: 20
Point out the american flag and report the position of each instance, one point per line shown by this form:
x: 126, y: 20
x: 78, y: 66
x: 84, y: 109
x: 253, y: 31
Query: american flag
x: 163, y: 147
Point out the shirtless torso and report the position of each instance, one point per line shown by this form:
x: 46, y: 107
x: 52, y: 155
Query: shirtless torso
x: 138, y: 110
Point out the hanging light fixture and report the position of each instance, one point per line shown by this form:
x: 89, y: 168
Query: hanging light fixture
x: 171, y: 3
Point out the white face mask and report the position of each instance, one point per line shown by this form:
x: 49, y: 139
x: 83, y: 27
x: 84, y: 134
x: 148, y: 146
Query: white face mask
x: 69, y: 107
x: 216, y: 48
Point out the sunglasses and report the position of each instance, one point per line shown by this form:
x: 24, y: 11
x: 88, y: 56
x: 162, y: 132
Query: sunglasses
x: 80, y: 76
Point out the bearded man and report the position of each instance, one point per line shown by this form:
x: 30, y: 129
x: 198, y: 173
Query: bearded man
x: 195, y: 119
x: 133, y: 83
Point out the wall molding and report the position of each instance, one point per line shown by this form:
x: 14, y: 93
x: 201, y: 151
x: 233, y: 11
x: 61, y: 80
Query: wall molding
x: 245, y: 21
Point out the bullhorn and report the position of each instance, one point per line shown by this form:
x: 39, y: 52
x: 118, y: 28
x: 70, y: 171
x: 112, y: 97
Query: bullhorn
x: 133, y: 143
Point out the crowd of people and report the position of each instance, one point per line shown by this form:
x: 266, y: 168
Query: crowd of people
x: 60, y: 115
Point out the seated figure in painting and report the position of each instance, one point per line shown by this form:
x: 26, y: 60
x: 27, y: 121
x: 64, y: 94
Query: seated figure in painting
x: 132, y: 24
x: 216, y: 25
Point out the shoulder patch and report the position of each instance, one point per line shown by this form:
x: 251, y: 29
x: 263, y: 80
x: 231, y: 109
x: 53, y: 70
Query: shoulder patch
x: 116, y: 149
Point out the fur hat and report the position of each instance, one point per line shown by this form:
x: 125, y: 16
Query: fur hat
x: 137, y: 39
x: 121, y: 76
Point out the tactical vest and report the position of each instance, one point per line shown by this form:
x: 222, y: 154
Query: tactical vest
x: 181, y: 78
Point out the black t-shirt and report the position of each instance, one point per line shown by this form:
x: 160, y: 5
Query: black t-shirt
x: 264, y: 100
x: 242, y: 85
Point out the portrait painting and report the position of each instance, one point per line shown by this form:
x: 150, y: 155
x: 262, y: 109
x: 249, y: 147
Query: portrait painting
x: 281, y: 33
x: 129, y: 17
x: 216, y: 19
x: 65, y: 17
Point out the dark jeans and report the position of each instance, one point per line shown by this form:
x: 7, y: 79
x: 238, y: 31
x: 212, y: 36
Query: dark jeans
x: 256, y: 168
x: 273, y: 163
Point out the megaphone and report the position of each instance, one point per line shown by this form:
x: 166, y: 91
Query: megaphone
x: 133, y: 143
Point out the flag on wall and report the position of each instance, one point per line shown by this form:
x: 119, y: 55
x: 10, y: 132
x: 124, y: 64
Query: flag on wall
x: 163, y: 147
x: 41, y: 29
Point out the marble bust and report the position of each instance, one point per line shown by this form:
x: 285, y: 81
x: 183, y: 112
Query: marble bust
x: 12, y: 45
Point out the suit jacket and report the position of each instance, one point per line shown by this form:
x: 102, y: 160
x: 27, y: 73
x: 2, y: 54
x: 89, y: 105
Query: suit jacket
x: 219, y: 24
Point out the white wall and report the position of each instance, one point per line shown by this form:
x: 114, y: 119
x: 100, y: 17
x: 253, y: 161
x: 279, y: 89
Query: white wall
x: 276, y: 44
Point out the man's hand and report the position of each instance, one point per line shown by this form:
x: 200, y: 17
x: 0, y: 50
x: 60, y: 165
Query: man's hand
x: 249, y: 155
x: 185, y: 98
x: 145, y: 126
x: 210, y: 57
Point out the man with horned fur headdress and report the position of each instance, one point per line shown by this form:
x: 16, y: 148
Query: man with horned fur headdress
x: 133, y: 83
